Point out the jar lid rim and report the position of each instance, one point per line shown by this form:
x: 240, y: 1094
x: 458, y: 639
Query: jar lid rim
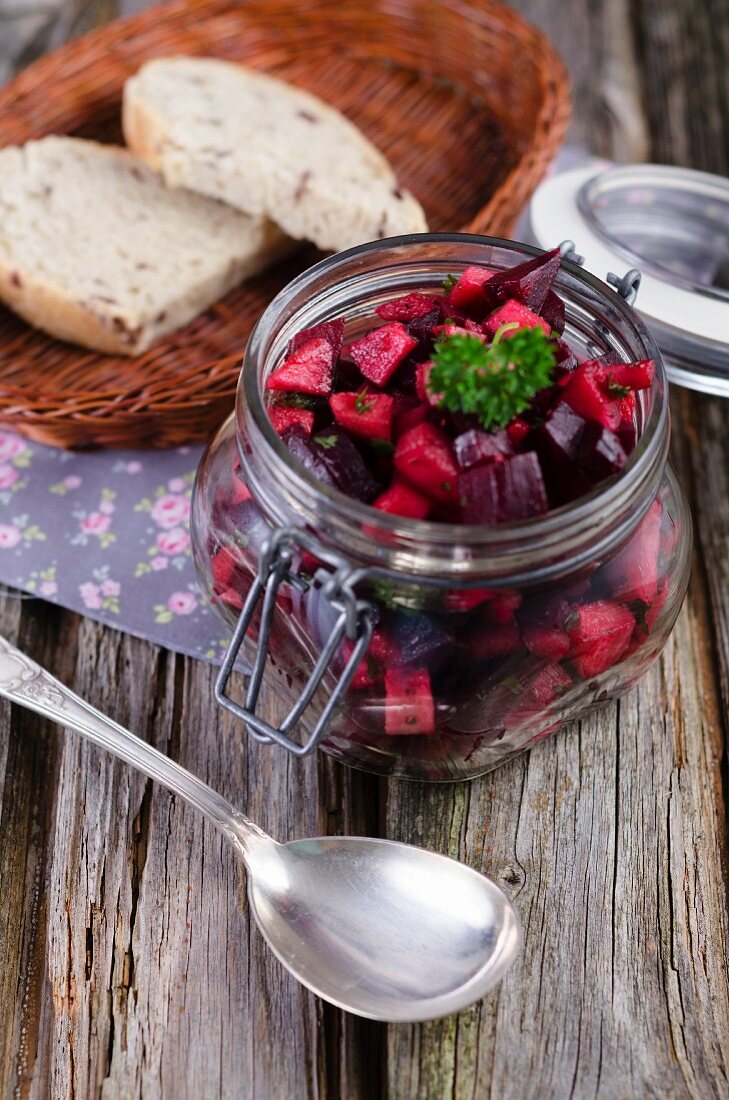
x: 626, y: 213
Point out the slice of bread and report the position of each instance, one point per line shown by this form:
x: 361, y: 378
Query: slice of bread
x: 265, y: 147
x: 96, y: 250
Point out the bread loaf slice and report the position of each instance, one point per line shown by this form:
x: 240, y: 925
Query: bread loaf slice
x: 265, y: 147
x: 95, y: 249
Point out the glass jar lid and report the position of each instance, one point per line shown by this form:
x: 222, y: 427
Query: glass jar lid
x: 673, y: 225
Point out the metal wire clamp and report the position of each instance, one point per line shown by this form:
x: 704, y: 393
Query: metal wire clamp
x: 355, y: 619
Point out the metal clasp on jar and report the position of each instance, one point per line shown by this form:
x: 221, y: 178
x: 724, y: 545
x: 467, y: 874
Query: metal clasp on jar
x: 354, y: 621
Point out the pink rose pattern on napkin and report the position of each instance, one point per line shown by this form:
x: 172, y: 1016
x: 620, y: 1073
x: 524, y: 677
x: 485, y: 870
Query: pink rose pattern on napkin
x: 107, y: 534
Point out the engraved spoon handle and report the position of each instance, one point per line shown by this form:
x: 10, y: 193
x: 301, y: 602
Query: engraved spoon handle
x: 26, y: 683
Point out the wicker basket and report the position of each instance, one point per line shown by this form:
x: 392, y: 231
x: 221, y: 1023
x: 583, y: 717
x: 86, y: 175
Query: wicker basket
x: 468, y: 101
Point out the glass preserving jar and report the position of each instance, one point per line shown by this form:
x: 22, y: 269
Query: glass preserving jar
x: 519, y: 627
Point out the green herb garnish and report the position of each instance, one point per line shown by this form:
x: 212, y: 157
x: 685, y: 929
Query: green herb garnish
x: 449, y: 282
x: 496, y: 381
x: 295, y: 401
x: 397, y: 597
x: 327, y: 441
x: 363, y: 402
x: 383, y: 448
x: 616, y: 390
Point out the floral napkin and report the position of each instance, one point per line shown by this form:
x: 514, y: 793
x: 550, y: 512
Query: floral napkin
x: 107, y: 535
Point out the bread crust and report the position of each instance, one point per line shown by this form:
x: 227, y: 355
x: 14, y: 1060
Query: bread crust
x: 325, y: 205
x: 142, y: 132
x: 123, y: 317
x: 46, y: 308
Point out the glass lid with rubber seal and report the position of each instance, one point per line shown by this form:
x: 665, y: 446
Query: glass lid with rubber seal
x: 672, y: 224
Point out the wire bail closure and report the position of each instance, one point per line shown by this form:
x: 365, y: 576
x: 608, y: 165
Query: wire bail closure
x: 626, y: 285
x: 355, y: 620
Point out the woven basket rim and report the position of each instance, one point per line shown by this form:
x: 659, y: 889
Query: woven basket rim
x: 72, y: 416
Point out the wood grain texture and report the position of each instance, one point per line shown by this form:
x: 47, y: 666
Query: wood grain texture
x: 130, y: 968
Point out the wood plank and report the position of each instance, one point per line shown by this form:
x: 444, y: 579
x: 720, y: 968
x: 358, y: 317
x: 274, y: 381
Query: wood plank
x: 156, y: 982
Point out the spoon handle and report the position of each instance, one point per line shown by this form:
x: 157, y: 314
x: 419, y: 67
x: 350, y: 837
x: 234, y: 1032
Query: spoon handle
x: 26, y: 683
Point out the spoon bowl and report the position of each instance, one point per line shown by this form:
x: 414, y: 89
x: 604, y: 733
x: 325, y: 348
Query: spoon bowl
x: 382, y: 929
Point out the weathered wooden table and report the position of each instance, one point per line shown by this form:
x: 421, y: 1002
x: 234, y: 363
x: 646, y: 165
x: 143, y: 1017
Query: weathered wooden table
x: 128, y: 965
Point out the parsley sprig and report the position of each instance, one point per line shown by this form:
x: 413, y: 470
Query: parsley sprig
x: 494, y: 381
x: 363, y: 402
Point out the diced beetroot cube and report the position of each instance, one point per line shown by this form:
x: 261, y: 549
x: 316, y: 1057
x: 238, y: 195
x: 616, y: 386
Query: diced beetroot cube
x: 544, y: 401
x: 380, y: 352
x: 558, y: 444
x: 536, y: 698
x: 553, y: 312
x: 576, y: 454
x: 421, y: 383
x: 239, y: 491
x: 634, y: 570
x: 503, y: 606
x: 410, y: 419
x: 548, y: 609
x: 528, y: 282
x: 474, y: 448
x: 516, y: 314
x: 627, y: 407
x: 585, y: 393
x: 308, y: 453
x: 331, y: 331
x: 424, y: 457
x: 627, y: 429
x: 546, y: 641
x: 421, y: 639
x: 563, y: 352
x: 409, y: 702
x: 408, y: 307
x: 563, y: 370
x: 465, y: 599
x: 548, y: 684
x: 567, y: 361
x: 403, y: 402
x: 487, y: 643
x: 333, y: 459
x: 402, y: 500
x: 599, y: 635
x: 282, y: 417
x: 518, y: 430
x: 308, y: 563
x: 601, y: 453
x: 229, y: 584
x: 480, y: 494
x: 468, y: 290
x: 345, y: 465
x: 363, y: 414
x: 502, y: 491
x: 381, y: 652
x: 440, y: 332
x: 308, y: 370
x: 422, y: 328
x: 636, y: 376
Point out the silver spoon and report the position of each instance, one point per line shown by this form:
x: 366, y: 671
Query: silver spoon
x: 381, y: 929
